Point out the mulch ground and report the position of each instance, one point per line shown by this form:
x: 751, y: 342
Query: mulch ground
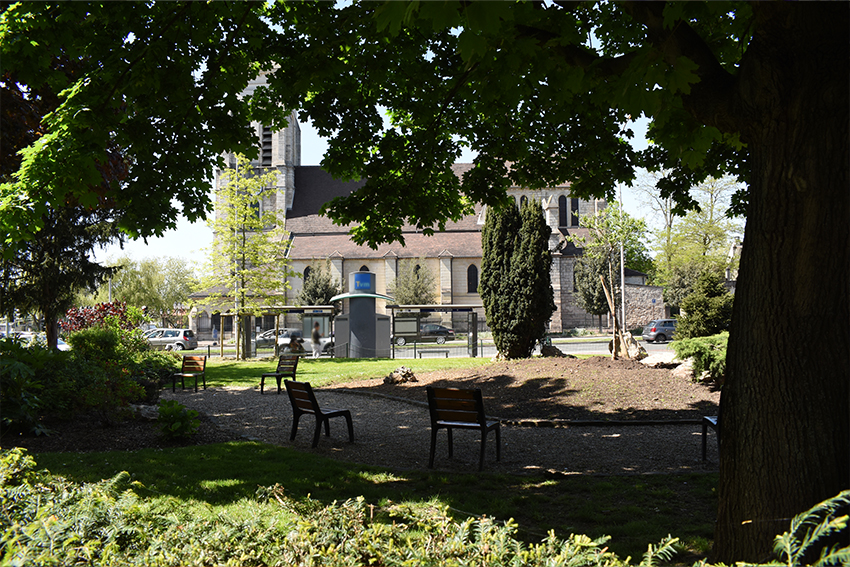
x: 590, y: 389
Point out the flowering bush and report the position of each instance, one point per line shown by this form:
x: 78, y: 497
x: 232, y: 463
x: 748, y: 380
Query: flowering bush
x: 115, y: 315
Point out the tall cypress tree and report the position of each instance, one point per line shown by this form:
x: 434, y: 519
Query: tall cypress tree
x: 498, y: 239
x: 515, y: 282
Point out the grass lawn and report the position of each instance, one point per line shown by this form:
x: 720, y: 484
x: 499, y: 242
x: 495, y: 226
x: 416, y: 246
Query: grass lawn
x: 324, y: 371
x: 634, y: 510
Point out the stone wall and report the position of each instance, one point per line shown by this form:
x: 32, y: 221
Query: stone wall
x: 643, y: 304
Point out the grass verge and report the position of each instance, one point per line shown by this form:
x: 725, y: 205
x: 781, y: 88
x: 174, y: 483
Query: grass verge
x: 325, y: 371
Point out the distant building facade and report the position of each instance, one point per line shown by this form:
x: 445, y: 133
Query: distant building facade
x: 452, y: 255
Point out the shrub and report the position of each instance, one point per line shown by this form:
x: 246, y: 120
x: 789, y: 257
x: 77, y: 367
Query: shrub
x: 115, y: 315
x: 175, y: 421
x: 706, y: 311
x: 48, y: 520
x: 708, y: 354
x: 25, y: 391
x: 103, y: 373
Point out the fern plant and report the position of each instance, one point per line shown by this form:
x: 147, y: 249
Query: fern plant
x: 811, y: 526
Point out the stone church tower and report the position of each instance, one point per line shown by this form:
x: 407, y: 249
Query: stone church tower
x: 280, y: 150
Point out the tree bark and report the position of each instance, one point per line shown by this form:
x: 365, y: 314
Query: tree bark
x: 785, y: 405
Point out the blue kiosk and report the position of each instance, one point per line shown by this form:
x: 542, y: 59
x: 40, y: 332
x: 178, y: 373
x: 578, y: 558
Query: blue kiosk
x: 361, y: 333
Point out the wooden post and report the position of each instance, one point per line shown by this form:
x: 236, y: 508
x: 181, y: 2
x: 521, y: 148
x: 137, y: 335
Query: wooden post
x: 617, y: 341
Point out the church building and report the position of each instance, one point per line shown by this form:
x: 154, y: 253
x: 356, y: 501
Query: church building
x: 453, y: 256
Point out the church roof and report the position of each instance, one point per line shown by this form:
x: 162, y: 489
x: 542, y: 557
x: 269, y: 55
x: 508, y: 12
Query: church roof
x: 315, y: 236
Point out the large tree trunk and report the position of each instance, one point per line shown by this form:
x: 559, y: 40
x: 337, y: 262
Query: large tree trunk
x: 785, y: 406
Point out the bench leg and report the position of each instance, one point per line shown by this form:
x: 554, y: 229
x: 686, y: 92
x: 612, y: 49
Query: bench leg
x: 262, y: 384
x: 483, y: 447
x: 451, y: 442
x: 433, y: 447
x: 318, y: 432
x: 347, y: 416
x: 279, y: 378
x: 295, y: 418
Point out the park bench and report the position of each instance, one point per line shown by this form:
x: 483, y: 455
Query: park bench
x: 193, y: 367
x: 304, y: 401
x: 452, y: 408
x: 434, y: 351
x: 287, y: 364
x: 712, y: 421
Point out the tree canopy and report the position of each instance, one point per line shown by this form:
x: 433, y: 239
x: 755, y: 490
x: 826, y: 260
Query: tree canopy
x: 608, y: 230
x: 160, y: 285
x: 159, y: 81
x: 542, y: 92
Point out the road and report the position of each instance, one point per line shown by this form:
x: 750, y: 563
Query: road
x: 567, y: 346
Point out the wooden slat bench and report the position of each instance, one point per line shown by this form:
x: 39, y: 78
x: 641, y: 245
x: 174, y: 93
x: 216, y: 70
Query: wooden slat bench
x: 434, y: 351
x: 452, y: 408
x: 193, y: 367
x: 287, y: 365
x: 304, y: 401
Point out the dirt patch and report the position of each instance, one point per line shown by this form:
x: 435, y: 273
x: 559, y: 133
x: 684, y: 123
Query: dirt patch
x: 590, y: 389
x: 596, y: 388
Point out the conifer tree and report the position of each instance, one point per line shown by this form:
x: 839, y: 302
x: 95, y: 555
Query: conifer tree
x: 708, y: 310
x: 319, y: 287
x: 415, y: 284
x: 515, y: 283
x: 533, y: 300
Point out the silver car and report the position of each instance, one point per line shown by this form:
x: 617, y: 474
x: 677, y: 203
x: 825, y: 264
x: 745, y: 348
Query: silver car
x: 172, y: 339
x: 659, y: 330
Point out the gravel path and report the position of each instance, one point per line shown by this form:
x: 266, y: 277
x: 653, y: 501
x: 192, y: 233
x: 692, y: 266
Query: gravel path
x: 395, y: 433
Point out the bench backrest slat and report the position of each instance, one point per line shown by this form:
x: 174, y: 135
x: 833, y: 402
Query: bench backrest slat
x: 193, y: 364
x: 456, y: 405
x: 301, y: 395
x: 287, y: 364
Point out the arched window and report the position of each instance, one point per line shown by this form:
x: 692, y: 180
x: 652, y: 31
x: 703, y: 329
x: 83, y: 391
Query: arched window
x: 522, y: 201
x: 562, y: 211
x: 574, y: 209
x: 472, y: 279
x: 307, y: 271
x: 364, y: 268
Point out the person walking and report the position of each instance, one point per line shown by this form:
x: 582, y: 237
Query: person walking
x: 317, y: 347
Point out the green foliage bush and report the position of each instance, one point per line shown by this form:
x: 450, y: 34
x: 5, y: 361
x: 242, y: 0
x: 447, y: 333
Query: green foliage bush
x: 49, y: 520
x: 175, y: 421
x: 107, y: 368
x: 708, y: 354
x: 706, y: 311
x: 30, y: 384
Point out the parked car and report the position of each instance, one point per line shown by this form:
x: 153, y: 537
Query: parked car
x: 172, y: 339
x: 659, y: 330
x: 266, y: 338
x: 439, y: 333
x: 30, y: 339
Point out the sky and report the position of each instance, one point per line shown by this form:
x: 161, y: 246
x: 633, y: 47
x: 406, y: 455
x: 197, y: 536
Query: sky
x: 189, y: 240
